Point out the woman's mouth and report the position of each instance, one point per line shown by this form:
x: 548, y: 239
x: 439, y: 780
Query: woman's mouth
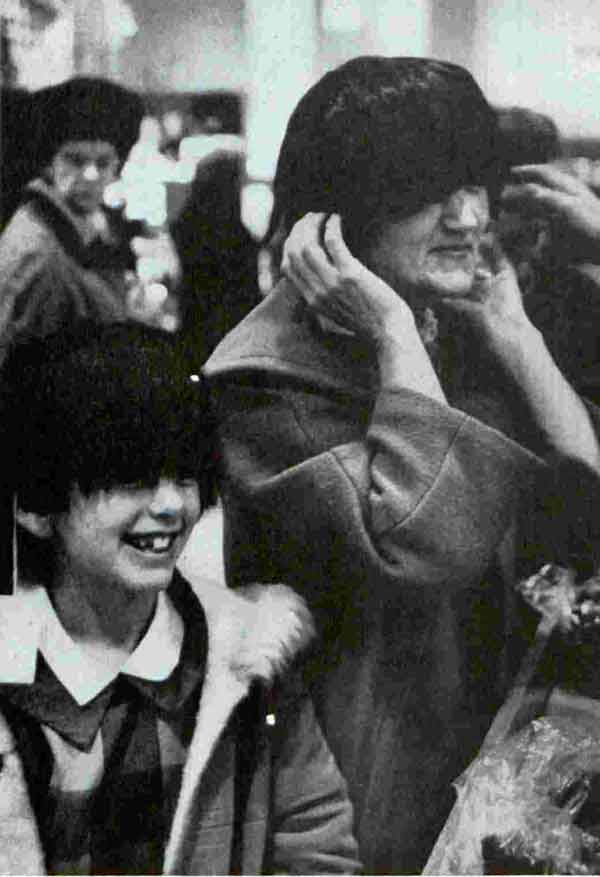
x: 455, y: 251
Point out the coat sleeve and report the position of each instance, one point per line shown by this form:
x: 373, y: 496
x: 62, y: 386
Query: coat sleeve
x: 312, y: 814
x: 421, y: 493
x: 32, y: 295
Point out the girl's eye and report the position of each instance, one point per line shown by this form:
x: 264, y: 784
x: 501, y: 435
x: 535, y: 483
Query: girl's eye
x: 187, y: 481
x: 140, y: 485
x: 76, y: 160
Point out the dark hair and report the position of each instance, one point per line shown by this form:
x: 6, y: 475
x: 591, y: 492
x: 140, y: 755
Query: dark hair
x: 84, y: 108
x: 527, y: 137
x: 101, y: 406
x: 380, y: 136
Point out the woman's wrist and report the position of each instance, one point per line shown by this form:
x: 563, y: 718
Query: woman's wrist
x: 397, y: 330
x: 521, y: 349
x: 404, y: 363
x: 562, y: 419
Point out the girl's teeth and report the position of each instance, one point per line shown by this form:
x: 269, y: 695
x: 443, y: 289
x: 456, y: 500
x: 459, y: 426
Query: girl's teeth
x: 153, y: 543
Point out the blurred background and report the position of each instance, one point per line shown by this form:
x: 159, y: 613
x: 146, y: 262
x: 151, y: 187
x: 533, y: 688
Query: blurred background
x: 221, y: 76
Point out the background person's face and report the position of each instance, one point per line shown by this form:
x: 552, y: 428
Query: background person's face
x: 433, y: 252
x: 81, y: 170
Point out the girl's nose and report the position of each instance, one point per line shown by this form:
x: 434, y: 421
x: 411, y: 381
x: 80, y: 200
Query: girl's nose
x: 91, y: 172
x: 167, y: 499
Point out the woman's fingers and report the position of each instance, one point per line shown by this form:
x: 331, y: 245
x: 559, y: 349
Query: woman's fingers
x: 335, y: 244
x: 304, y: 258
x: 302, y: 276
x: 304, y: 233
x: 316, y: 260
x: 493, y: 259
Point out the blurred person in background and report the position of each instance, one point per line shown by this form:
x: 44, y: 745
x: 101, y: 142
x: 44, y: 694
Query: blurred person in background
x: 15, y: 134
x: 549, y: 225
x: 219, y: 256
x: 64, y: 255
x: 396, y: 441
x: 526, y: 137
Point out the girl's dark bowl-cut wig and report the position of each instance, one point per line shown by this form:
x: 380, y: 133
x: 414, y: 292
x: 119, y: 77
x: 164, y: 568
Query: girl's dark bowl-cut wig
x: 102, y: 406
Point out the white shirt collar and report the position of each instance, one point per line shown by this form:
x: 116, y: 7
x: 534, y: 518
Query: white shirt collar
x: 84, y: 677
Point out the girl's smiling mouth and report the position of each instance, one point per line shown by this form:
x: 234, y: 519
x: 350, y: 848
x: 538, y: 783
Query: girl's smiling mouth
x: 154, y: 543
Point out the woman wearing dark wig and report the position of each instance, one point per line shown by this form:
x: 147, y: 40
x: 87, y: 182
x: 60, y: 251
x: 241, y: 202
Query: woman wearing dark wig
x: 393, y: 430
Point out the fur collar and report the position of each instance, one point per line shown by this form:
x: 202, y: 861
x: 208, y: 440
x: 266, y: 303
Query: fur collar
x: 255, y: 631
x: 89, y: 246
x: 44, y: 195
x: 253, y: 634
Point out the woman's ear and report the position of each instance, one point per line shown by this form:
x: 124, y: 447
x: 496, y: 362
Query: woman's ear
x: 36, y: 524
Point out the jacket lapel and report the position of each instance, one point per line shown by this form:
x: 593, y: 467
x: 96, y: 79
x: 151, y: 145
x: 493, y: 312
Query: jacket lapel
x: 281, y: 336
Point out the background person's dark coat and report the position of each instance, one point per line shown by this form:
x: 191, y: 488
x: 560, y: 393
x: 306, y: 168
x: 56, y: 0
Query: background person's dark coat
x: 50, y: 277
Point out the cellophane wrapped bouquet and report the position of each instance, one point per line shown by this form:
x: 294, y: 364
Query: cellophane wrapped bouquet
x: 530, y: 803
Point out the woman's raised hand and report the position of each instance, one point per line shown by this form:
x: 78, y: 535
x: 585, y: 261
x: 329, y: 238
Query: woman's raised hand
x: 337, y: 286
x: 494, y: 308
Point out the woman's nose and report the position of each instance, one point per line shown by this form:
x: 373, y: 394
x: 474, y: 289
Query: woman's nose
x: 465, y: 210
x: 167, y: 499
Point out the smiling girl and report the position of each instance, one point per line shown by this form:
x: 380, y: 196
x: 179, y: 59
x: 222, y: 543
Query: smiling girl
x: 132, y: 709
